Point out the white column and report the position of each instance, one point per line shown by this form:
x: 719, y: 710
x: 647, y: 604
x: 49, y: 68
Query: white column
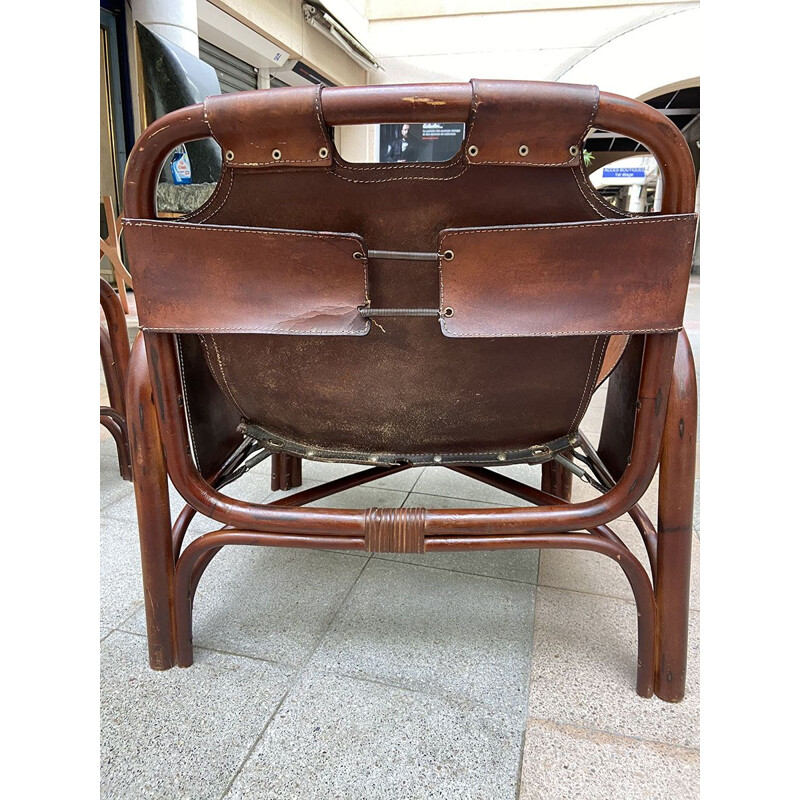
x: 658, y: 199
x: 636, y: 195
x: 175, y: 20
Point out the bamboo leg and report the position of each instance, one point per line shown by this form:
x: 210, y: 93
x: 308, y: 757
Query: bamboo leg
x: 152, y: 508
x: 287, y: 472
x: 557, y: 480
x: 675, y: 507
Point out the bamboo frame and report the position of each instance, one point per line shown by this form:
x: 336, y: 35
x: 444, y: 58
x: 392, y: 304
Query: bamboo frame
x: 110, y: 248
x: 114, y: 356
x: 664, y: 432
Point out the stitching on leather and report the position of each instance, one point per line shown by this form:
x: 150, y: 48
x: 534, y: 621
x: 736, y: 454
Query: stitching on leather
x: 208, y: 207
x: 318, y: 108
x: 538, y: 334
x: 586, y: 385
x: 586, y: 197
x: 399, y: 178
x: 304, y: 445
x: 317, y: 160
x: 415, y: 165
x: 222, y: 373
x: 614, y: 365
x: 534, y: 229
x: 570, y: 226
x: 262, y: 232
x: 232, y: 329
x: 185, y: 396
x: 474, y: 113
x: 592, y: 198
x: 592, y: 115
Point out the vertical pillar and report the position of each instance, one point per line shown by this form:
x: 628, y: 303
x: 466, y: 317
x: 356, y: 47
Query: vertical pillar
x: 153, y: 511
x: 675, y: 507
x: 175, y: 20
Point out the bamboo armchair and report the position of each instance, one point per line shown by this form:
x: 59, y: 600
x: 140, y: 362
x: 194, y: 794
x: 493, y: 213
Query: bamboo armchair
x: 114, y: 356
x: 455, y: 315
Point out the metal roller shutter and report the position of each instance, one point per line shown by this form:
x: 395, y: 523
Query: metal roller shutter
x: 234, y: 74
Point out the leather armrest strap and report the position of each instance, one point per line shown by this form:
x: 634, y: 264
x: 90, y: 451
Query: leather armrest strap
x: 529, y: 123
x: 576, y: 278
x: 224, y: 279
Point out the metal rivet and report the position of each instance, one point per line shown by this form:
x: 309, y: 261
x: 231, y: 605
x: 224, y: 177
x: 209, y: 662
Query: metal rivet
x: 573, y: 151
x: 276, y: 154
x: 448, y: 312
x: 501, y: 456
x: 448, y: 255
x: 473, y: 150
x: 310, y: 453
x: 323, y: 152
x: 373, y: 458
x: 359, y: 256
x: 229, y: 155
x: 437, y: 459
x: 523, y: 149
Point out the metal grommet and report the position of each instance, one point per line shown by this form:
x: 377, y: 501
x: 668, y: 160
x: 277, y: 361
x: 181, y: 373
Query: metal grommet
x: 501, y: 456
x: 473, y: 150
x: 448, y: 312
x: 323, y: 152
x: 437, y: 459
x: 310, y: 453
x: 448, y: 255
x: 373, y: 459
x: 359, y: 256
x: 229, y: 155
x: 523, y: 149
x: 276, y: 154
x: 573, y: 151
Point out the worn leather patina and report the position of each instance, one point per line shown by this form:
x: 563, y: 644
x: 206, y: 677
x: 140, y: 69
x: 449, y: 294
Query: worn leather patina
x: 518, y: 361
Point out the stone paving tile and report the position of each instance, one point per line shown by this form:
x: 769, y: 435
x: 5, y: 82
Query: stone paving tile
x: 121, y: 592
x: 336, y: 737
x: 271, y: 603
x: 369, y: 496
x: 584, y: 671
x: 112, y: 487
x: 183, y: 733
x: 437, y: 631
x: 252, y: 487
x: 583, y: 571
x: 513, y: 565
x: 322, y: 471
x: 563, y: 762
x: 441, y: 481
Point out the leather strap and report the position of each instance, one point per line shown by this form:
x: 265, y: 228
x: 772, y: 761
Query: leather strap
x: 574, y: 278
x: 529, y: 123
x: 223, y: 279
x: 270, y: 128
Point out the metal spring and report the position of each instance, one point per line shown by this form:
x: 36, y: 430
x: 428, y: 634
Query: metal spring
x: 399, y: 312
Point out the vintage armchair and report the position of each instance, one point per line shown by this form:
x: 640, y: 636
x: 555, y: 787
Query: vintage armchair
x: 457, y: 315
x: 114, y: 355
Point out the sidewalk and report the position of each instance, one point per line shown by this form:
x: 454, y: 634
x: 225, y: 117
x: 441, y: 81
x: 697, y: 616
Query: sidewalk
x: 496, y: 675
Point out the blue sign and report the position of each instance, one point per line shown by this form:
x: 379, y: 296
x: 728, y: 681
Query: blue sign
x: 623, y: 172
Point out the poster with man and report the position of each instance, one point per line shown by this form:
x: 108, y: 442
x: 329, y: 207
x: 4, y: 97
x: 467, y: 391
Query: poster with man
x: 402, y: 143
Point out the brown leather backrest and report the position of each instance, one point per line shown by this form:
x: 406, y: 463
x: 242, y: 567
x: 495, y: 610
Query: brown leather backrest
x: 514, y: 371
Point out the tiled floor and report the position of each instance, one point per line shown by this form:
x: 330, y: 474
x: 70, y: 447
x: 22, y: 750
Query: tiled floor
x: 337, y: 675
